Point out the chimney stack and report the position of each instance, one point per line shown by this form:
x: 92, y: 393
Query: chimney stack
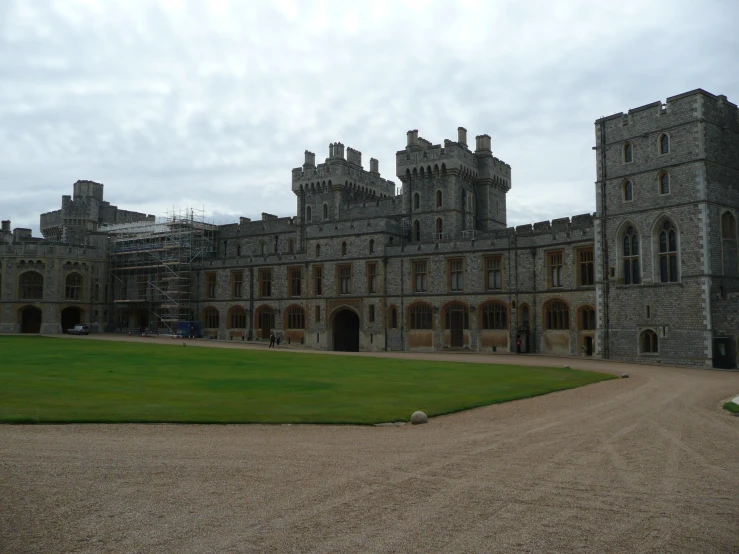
x: 6, y: 226
x: 310, y: 160
x: 483, y: 144
x: 462, y: 136
x: 374, y: 166
x: 413, y: 137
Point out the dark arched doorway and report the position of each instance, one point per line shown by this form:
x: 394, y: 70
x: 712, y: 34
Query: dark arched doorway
x: 70, y: 317
x: 30, y: 317
x: 346, y: 331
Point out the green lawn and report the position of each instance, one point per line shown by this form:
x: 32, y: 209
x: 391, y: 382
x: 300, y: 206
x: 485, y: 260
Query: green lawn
x: 55, y: 380
x: 731, y: 407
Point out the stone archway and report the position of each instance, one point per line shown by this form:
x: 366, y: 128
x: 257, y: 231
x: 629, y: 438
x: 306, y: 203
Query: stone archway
x: 346, y: 331
x: 71, y: 316
x: 30, y: 319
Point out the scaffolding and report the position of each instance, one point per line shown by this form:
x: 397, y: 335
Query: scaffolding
x: 151, y: 267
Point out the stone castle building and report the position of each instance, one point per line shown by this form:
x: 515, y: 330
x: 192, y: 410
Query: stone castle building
x: 652, y: 275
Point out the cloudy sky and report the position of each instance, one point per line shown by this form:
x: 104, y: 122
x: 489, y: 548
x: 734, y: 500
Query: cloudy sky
x: 210, y: 104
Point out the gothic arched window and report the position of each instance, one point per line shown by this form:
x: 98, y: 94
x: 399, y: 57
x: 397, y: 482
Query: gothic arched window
x: 667, y: 253
x: 664, y: 183
x: 439, y: 199
x: 648, y: 342
x: 628, y: 153
x: 628, y: 191
x: 630, y: 257
x: 439, y: 229
x: 416, y: 201
x: 31, y: 286
x: 664, y: 144
x: 416, y: 231
x: 557, y: 315
x: 421, y: 316
x: 494, y: 316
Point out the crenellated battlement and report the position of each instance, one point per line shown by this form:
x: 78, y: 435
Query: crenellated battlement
x: 421, y: 155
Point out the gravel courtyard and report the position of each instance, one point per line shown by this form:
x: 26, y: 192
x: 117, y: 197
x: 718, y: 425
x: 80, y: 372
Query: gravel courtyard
x: 645, y: 464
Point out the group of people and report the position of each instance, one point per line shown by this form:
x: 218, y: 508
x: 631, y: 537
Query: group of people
x: 273, y: 339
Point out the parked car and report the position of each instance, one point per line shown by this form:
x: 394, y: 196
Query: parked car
x: 79, y: 330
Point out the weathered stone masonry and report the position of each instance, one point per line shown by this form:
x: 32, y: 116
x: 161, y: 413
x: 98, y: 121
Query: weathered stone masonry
x: 653, y: 275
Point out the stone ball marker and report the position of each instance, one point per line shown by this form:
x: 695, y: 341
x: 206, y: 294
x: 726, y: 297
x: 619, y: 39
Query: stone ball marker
x: 418, y: 418
x: 625, y: 376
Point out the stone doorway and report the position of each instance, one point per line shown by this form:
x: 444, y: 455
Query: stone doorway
x: 70, y: 317
x: 30, y: 317
x: 456, y: 329
x: 346, y: 331
x: 266, y: 322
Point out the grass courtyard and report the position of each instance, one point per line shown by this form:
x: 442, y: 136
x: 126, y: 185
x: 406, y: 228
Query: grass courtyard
x: 49, y: 380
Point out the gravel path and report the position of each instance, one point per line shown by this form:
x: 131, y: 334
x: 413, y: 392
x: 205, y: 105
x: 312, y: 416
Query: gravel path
x: 645, y: 464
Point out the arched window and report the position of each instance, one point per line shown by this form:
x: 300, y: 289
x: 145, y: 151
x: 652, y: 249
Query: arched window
x: 295, y: 317
x: 261, y: 248
x: 416, y: 201
x: 421, y: 316
x: 308, y: 214
x: 238, y: 250
x: 664, y: 144
x: 628, y: 191
x: 456, y: 308
x: 210, y: 318
x: 318, y: 250
x: 73, y: 287
x: 393, y: 318
x: 628, y: 153
x: 557, y: 315
x: 586, y: 320
x: 648, y: 342
x: 730, y: 253
x: 439, y: 229
x: 325, y: 212
x: 31, y: 286
x: 289, y: 246
x: 236, y: 318
x: 632, y: 275
x: 343, y: 248
x: 494, y: 316
x: 667, y: 253
x: 416, y: 231
x: 97, y: 292
x: 664, y: 183
x: 372, y: 246
x: 439, y: 199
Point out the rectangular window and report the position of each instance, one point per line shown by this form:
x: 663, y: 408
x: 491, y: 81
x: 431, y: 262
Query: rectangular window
x: 554, y: 266
x: 210, y: 285
x: 318, y: 280
x: 494, y: 273
x: 586, y: 274
x: 237, y: 284
x: 265, y: 282
x: 318, y: 314
x: 371, y: 314
x: 296, y: 279
x: 345, y: 279
x: 456, y: 275
x: 419, y: 277
x: 371, y: 278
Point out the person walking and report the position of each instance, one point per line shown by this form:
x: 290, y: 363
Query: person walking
x: 271, y: 340
x: 278, y: 341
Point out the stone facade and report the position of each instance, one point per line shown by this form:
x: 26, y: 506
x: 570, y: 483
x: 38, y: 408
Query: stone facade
x: 653, y: 275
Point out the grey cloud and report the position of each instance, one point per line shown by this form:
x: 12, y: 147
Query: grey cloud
x: 183, y: 105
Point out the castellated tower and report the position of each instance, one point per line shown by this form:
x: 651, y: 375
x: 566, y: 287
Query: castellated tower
x: 666, y: 231
x: 323, y: 189
x: 451, y: 191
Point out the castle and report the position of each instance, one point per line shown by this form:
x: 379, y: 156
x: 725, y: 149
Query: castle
x: 652, y: 275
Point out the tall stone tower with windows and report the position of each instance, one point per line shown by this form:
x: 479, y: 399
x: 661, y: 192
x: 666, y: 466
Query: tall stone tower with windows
x: 667, y: 198
x: 450, y: 191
